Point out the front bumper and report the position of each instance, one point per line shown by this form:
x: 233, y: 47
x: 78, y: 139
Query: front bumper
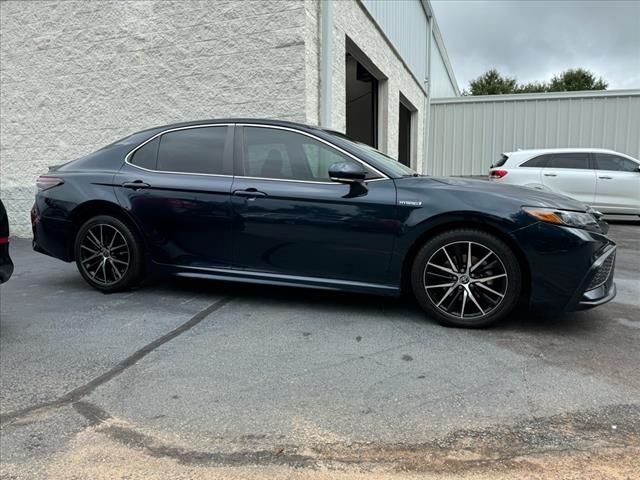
x: 570, y: 268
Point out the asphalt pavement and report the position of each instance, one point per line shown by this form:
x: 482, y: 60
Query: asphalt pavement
x: 199, y: 379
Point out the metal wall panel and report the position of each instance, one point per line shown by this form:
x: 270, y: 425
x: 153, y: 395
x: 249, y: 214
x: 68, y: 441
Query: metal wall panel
x: 467, y: 134
x: 441, y: 83
x: 405, y: 24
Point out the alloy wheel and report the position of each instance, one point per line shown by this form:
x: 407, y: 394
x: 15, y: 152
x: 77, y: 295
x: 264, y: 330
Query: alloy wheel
x: 104, y: 254
x: 465, y: 279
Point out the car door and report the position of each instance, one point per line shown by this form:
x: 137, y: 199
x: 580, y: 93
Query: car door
x: 530, y: 172
x: 571, y: 174
x: 617, y: 183
x: 177, y: 188
x: 291, y: 219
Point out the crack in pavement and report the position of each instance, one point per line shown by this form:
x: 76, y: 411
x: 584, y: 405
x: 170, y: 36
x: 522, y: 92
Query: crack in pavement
x: 88, y: 388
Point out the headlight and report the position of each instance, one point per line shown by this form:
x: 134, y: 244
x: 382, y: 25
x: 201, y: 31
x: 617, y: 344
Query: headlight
x: 562, y: 217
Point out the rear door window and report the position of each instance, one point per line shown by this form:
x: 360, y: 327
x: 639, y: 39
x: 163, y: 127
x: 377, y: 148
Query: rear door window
x: 615, y: 163
x: 575, y: 160
x: 538, y: 162
x: 193, y: 150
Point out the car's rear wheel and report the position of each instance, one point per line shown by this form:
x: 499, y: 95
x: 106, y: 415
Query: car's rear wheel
x: 466, y: 278
x: 108, y: 254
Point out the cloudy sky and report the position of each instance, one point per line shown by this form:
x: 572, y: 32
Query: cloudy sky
x: 533, y: 39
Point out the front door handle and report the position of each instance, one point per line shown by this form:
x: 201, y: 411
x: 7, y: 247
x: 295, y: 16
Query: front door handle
x: 249, y: 192
x: 606, y: 178
x: 550, y: 175
x: 136, y: 185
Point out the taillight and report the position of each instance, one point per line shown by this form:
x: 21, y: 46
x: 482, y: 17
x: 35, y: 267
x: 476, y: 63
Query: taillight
x: 45, y: 182
x: 4, y: 240
x: 497, y: 173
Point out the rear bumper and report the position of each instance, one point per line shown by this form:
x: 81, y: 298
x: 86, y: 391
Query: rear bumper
x: 52, y: 236
x: 6, y: 265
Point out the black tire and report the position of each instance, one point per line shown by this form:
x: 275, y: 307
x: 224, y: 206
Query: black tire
x: 100, y: 254
x: 444, y: 295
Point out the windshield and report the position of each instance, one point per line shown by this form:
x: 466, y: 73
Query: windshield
x: 394, y: 166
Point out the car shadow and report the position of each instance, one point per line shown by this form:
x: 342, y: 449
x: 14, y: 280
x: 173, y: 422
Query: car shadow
x: 520, y: 321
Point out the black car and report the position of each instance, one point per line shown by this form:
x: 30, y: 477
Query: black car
x: 6, y: 265
x: 281, y: 203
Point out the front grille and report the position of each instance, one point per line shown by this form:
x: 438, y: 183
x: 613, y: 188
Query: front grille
x: 603, y: 273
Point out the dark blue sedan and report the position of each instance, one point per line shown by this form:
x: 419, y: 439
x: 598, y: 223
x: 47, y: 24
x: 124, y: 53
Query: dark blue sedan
x: 281, y: 203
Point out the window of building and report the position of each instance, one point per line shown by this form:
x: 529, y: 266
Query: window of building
x: 404, y: 134
x: 606, y: 161
x: 361, y: 103
x: 193, y: 150
x: 282, y: 154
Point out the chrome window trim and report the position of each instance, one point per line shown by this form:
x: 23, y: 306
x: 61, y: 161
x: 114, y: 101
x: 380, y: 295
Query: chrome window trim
x: 188, y: 127
x: 383, y: 176
x: 127, y: 157
x: 305, y: 181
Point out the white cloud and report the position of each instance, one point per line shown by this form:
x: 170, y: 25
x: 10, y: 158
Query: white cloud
x: 533, y: 39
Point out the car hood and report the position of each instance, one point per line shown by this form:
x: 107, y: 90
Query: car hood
x: 524, y: 195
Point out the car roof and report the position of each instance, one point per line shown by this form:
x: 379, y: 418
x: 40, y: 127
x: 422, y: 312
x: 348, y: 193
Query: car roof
x: 213, y: 121
x: 539, y: 151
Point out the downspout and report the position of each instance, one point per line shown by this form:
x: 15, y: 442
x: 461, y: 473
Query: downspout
x: 326, y: 61
x: 427, y: 102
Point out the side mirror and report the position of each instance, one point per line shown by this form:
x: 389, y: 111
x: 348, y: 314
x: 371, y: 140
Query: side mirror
x: 346, y: 172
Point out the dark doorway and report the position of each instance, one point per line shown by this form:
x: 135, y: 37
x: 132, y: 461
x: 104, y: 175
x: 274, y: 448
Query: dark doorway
x: 362, y: 103
x: 404, y: 136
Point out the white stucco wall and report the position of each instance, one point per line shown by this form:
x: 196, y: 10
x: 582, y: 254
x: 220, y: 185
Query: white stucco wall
x: 78, y: 75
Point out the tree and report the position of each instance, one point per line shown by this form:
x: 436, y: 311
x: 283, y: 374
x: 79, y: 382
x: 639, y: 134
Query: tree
x: 533, y: 87
x: 492, y: 83
x: 576, y: 79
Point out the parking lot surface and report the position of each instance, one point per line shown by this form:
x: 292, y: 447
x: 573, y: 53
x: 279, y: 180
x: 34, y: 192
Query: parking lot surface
x: 196, y: 379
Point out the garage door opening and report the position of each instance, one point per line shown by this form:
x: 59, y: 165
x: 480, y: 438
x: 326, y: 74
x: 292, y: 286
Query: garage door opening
x: 404, y: 135
x: 362, y: 103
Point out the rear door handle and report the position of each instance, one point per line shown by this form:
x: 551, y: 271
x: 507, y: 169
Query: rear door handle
x: 249, y: 192
x: 135, y: 185
x: 550, y: 175
x: 606, y: 178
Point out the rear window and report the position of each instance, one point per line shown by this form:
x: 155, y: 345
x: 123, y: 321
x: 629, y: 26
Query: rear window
x: 503, y: 159
x: 146, y: 155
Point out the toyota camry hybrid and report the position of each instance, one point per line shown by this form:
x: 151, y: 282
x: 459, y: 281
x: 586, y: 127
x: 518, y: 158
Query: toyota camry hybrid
x: 282, y: 203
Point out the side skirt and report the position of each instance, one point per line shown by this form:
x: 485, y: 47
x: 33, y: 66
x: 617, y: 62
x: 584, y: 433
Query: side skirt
x: 249, y: 276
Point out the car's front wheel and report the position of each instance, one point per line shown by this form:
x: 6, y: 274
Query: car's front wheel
x: 108, y: 254
x: 466, y: 278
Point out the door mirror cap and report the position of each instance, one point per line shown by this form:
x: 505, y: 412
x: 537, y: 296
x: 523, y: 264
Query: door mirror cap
x: 346, y: 172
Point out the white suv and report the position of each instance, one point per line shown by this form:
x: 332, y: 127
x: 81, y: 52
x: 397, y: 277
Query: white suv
x: 608, y: 181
